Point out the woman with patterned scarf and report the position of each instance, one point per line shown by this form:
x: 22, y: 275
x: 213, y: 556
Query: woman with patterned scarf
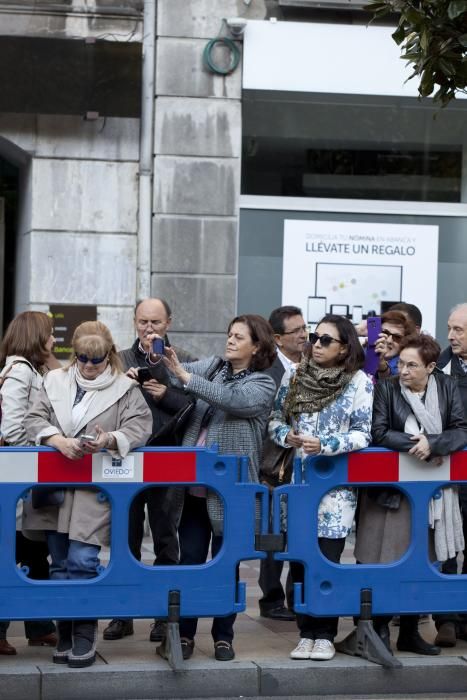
x: 326, y: 410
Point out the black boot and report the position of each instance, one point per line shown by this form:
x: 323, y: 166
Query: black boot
x: 84, y: 644
x: 410, y: 639
x: 382, y: 630
x: 64, y: 641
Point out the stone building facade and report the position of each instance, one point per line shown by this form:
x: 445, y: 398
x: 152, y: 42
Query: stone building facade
x: 79, y: 159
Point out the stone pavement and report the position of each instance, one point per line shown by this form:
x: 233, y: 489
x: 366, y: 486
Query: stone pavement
x: 129, y: 668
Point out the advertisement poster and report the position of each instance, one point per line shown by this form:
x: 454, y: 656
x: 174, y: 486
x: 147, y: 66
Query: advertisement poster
x: 353, y: 268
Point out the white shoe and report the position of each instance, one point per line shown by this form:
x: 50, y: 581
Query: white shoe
x: 323, y: 650
x: 303, y: 650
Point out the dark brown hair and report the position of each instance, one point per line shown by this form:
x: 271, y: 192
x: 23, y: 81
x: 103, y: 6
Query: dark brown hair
x: 355, y: 357
x: 278, y: 316
x: 427, y: 347
x: 94, y: 339
x: 27, y: 335
x: 261, y: 334
x: 400, y: 319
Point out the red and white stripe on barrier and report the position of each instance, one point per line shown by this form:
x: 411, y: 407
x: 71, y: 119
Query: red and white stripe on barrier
x: 53, y: 467
x: 400, y: 466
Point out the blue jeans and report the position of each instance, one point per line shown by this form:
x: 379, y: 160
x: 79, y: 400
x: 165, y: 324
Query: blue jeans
x: 71, y: 559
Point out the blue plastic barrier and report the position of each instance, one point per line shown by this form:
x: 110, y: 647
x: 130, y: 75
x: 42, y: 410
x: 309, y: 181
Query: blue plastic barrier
x: 126, y: 587
x: 410, y: 585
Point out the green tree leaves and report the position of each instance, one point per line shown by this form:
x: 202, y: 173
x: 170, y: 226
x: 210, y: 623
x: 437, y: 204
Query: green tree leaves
x: 432, y: 35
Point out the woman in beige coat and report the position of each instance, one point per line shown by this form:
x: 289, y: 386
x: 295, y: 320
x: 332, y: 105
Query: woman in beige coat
x: 25, y: 357
x: 86, y: 407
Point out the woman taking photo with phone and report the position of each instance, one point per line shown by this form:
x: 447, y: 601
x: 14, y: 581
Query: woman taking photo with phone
x: 94, y: 400
x: 25, y: 357
x: 325, y: 409
x: 233, y: 400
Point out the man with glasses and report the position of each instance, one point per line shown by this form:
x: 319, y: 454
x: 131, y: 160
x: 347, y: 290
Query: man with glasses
x: 453, y: 361
x: 290, y: 334
x: 153, y: 316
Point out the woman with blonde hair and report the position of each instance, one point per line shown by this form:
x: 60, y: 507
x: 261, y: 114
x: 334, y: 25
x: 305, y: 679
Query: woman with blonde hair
x: 25, y: 357
x: 91, y: 397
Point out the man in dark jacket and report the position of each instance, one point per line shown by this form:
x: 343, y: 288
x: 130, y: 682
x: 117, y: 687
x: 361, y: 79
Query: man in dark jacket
x: 153, y: 316
x: 290, y: 334
x: 453, y: 361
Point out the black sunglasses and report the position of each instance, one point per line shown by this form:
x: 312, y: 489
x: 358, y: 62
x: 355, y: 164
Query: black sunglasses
x: 397, y: 337
x: 93, y: 360
x: 325, y: 339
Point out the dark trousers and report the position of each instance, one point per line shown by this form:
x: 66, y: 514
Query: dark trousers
x: 319, y: 627
x: 196, y: 535
x: 269, y: 581
x: 163, y: 520
x: 34, y: 555
x: 450, y: 567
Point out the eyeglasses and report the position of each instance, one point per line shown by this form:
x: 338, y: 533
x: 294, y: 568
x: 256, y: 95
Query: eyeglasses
x: 397, y: 337
x: 410, y: 366
x: 93, y: 360
x: 295, y: 331
x: 325, y: 339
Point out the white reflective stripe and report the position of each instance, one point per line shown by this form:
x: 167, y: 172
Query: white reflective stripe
x: 18, y: 467
x: 107, y: 469
x: 413, y: 469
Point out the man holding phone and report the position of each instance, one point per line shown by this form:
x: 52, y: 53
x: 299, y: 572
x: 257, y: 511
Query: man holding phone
x: 153, y: 317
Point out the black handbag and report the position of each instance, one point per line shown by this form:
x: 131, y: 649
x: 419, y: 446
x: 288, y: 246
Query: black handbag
x: 171, y: 433
x: 276, y: 464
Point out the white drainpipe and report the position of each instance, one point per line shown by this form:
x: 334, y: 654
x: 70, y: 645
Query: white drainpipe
x: 143, y: 270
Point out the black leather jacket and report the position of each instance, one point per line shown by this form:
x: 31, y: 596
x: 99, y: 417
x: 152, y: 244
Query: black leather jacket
x: 390, y: 411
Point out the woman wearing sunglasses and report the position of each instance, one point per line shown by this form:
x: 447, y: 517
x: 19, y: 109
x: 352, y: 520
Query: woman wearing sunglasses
x: 325, y: 410
x: 395, y: 326
x: 94, y: 399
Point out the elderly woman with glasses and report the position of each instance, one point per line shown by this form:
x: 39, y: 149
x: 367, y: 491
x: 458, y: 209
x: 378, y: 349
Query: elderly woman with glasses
x: 325, y: 409
x: 419, y: 412
x: 88, y: 406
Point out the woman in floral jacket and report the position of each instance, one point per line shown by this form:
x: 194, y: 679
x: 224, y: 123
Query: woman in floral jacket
x: 326, y: 410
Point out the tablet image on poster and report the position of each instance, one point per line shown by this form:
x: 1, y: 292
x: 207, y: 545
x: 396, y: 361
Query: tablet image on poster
x: 354, y: 284
x: 359, y: 267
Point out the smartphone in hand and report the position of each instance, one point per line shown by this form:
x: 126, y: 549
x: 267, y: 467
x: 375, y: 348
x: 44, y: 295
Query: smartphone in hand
x: 144, y: 375
x: 87, y: 438
x: 158, y: 346
x: 371, y: 357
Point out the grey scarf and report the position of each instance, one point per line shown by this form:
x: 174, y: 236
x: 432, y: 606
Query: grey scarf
x: 427, y: 413
x: 444, y: 511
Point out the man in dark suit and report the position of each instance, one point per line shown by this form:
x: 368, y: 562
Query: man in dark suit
x: 153, y: 316
x: 453, y: 361
x: 290, y: 334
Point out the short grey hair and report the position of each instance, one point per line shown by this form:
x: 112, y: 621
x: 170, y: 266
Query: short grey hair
x: 458, y: 307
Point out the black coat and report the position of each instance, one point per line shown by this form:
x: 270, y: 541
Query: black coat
x: 173, y: 400
x: 390, y: 411
x: 450, y: 365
